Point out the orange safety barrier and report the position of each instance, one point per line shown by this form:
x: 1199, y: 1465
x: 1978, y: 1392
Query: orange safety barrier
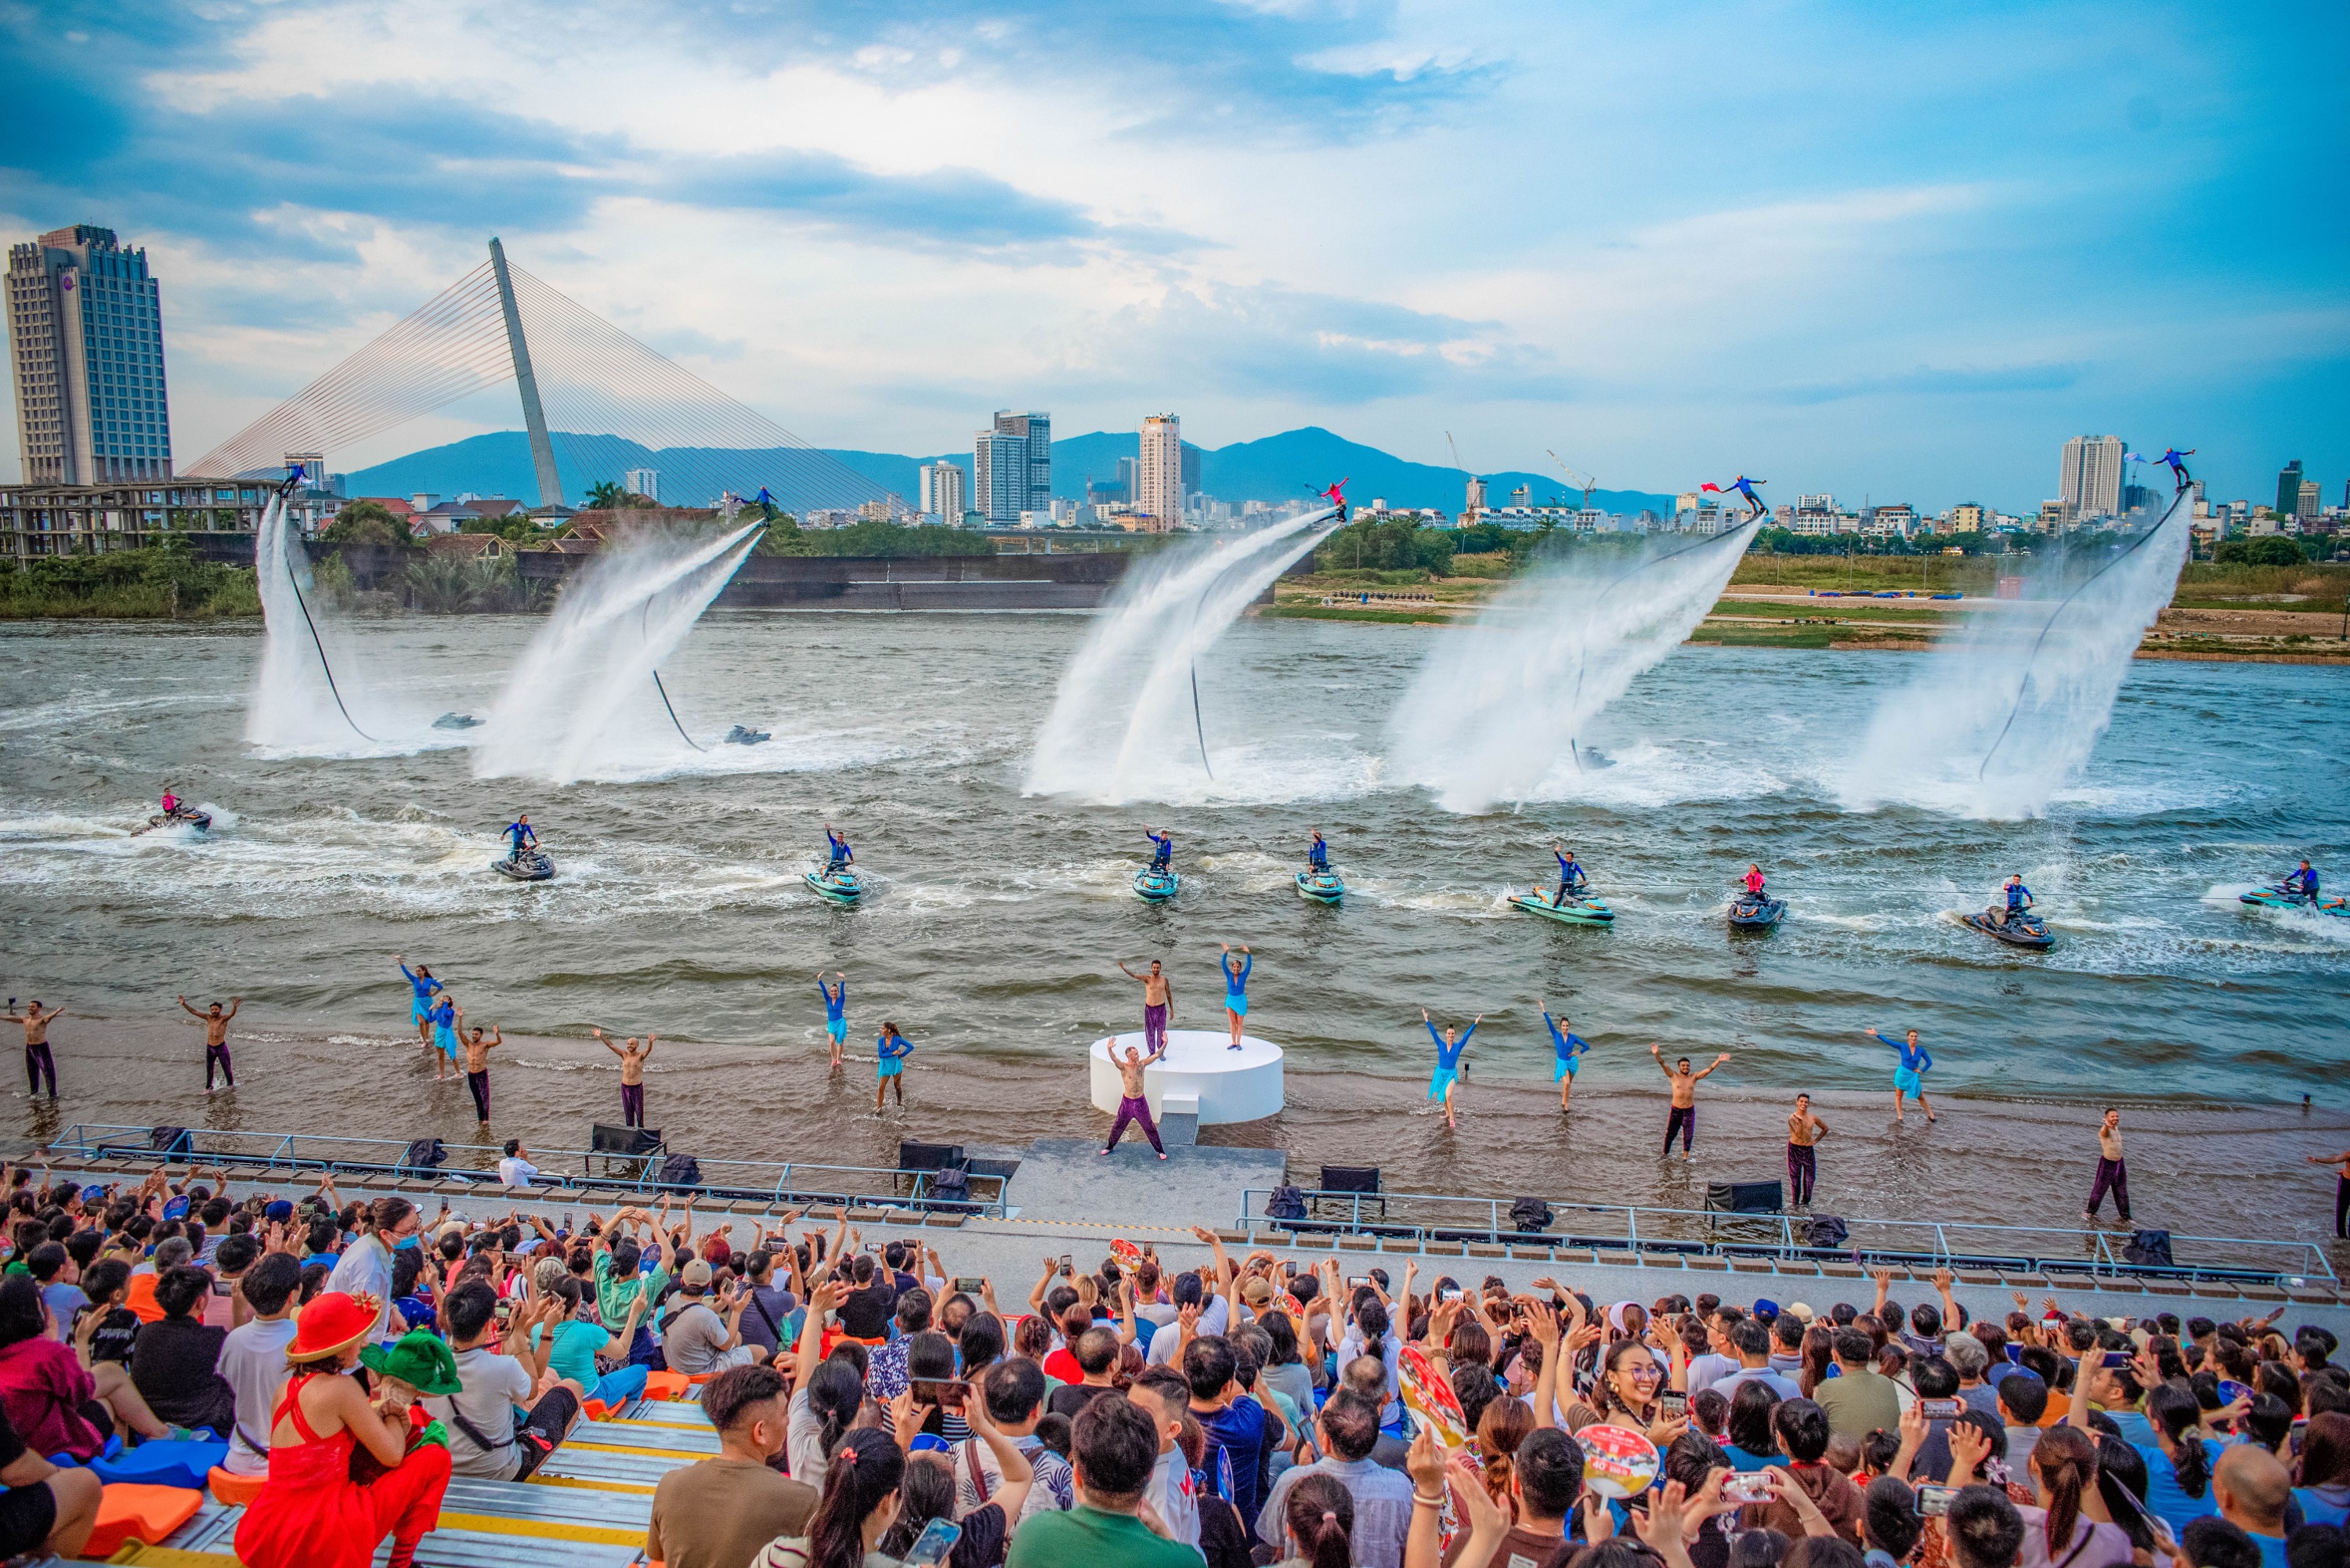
x: 129, y: 1511
x: 234, y: 1490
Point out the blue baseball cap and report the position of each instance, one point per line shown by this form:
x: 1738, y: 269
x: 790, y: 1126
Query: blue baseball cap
x: 1767, y: 1309
x: 279, y: 1211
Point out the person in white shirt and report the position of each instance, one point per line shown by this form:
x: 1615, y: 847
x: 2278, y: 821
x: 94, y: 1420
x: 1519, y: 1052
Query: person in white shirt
x: 1720, y: 1357
x: 365, y: 1267
x: 1164, y: 1396
x: 1753, y: 1344
x: 1215, y: 1312
x: 515, y: 1169
x: 484, y: 1439
x: 251, y: 1359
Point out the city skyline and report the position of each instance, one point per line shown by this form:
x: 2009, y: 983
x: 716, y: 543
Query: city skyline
x: 1380, y: 221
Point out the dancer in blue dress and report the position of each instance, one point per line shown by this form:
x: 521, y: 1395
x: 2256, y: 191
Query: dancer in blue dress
x: 1569, y: 1046
x: 420, y: 1010
x: 444, y: 1035
x: 1236, y: 975
x: 1909, y: 1077
x: 836, y: 1012
x: 1447, y: 1076
x: 891, y: 1051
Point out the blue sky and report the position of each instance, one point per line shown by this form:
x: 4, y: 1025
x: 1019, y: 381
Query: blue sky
x: 1901, y: 252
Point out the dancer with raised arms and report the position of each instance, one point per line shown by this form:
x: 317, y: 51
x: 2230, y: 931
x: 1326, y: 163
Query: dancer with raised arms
x: 632, y: 1057
x: 1683, y: 1119
x: 836, y: 1012
x: 1447, y: 1076
x: 419, y: 1010
x: 38, y: 1061
x: 1131, y: 1106
x: 215, y: 1025
x: 1569, y: 1048
x: 1909, y: 1075
x: 1158, y: 1004
x: 1236, y: 973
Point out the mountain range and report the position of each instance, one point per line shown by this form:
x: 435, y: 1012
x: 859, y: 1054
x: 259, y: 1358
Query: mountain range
x: 1288, y: 466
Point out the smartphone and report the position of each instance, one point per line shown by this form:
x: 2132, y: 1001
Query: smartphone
x: 931, y: 1547
x: 1746, y: 1487
x: 223, y: 1287
x: 1676, y: 1405
x: 946, y: 1396
x: 1449, y: 1294
x: 969, y: 1284
x: 1940, y: 1409
x: 505, y: 1311
x: 1067, y: 1268
x: 2117, y: 1358
x: 1357, y: 1282
x: 1934, y: 1501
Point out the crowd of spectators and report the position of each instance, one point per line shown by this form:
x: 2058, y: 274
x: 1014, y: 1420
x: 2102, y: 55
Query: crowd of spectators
x: 869, y: 1408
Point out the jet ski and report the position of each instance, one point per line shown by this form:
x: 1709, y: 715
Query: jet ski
x: 2022, y: 929
x: 1315, y: 886
x: 741, y: 735
x: 837, y: 884
x: 199, y: 820
x: 456, y: 721
x: 1750, y: 913
x: 1574, y: 912
x: 1153, y: 886
x: 530, y: 865
x: 2279, y: 898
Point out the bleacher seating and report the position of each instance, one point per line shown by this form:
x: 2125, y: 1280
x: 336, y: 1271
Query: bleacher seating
x: 587, y: 1507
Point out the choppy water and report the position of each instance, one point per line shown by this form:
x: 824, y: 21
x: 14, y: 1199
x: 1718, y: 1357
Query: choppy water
x: 998, y: 915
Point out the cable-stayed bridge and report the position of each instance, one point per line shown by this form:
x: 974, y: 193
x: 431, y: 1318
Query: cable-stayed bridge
x: 594, y: 401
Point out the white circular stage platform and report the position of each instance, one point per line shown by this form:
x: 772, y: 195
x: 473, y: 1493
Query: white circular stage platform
x: 1230, y: 1085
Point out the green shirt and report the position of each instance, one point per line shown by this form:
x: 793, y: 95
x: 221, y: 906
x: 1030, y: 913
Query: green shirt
x: 1858, y: 1403
x: 1086, y: 1537
x: 614, y: 1297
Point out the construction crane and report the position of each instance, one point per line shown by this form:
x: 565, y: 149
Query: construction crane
x: 1587, y: 481
x: 1475, y: 504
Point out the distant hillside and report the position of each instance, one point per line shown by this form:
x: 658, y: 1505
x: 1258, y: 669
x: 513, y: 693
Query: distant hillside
x: 1277, y: 468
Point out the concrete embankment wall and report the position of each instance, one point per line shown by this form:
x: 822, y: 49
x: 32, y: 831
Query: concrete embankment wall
x: 931, y: 583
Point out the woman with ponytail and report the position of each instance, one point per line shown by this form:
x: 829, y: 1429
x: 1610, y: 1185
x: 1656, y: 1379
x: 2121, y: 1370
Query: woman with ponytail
x: 2057, y: 1533
x: 861, y: 1500
x: 2178, y: 1461
x: 1320, y: 1520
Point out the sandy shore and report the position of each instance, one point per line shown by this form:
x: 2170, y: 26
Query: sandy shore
x: 2206, y: 1169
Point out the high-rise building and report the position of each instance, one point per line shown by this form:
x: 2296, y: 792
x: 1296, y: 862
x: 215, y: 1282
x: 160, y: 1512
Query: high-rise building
x: 2288, y: 502
x: 2306, y: 506
x: 942, y: 491
x: 1190, y: 474
x: 644, y: 482
x: 999, y: 477
x: 1967, y: 517
x: 1016, y: 474
x: 1159, y: 482
x: 86, y: 337
x: 2090, y: 483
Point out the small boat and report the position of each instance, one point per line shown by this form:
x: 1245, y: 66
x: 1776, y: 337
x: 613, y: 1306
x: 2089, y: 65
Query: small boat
x: 2278, y: 899
x: 199, y: 820
x: 530, y: 865
x: 741, y: 735
x: 1153, y: 886
x: 1318, y: 886
x: 1574, y: 912
x: 1751, y: 914
x: 838, y: 885
x: 2022, y: 931
x: 456, y: 721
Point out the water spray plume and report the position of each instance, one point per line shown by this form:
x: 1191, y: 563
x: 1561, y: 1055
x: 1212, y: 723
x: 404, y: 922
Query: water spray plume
x: 2008, y: 713
x: 1496, y: 713
x: 298, y: 705
x: 1108, y: 736
x: 599, y: 649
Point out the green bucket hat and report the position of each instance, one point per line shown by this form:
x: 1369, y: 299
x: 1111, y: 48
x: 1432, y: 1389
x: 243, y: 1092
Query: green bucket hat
x: 420, y: 1359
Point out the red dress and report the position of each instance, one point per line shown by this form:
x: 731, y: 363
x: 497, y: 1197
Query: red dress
x: 311, y: 1515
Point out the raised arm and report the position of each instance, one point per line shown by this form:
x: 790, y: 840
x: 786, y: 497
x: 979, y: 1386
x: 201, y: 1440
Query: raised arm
x: 190, y: 1011
x: 608, y: 1044
x: 1718, y: 1061
x: 805, y: 1354
x: 647, y: 1054
x: 1657, y: 1051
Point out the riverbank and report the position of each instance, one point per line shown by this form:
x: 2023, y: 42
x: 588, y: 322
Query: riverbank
x: 2197, y: 1168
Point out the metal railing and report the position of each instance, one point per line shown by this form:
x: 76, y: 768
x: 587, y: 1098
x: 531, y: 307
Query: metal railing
x: 1942, y: 1243
x: 784, y: 1183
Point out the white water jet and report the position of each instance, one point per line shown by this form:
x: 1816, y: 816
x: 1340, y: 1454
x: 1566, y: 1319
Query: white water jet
x: 597, y: 655
x: 2006, y: 714
x: 312, y: 695
x: 1124, y: 724
x: 1494, y: 715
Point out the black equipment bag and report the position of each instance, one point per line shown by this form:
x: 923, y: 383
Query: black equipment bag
x: 680, y: 1170
x: 172, y: 1143
x: 1529, y: 1215
x: 1825, y: 1230
x: 1287, y: 1202
x: 423, y: 1154
x: 2148, y: 1249
x: 951, y: 1184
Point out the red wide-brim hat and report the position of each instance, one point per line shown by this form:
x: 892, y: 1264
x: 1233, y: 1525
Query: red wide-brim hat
x: 332, y: 1323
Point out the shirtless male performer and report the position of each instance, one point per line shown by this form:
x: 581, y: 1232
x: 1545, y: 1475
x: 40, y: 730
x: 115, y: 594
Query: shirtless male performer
x: 217, y: 1038
x: 1804, y: 1131
x: 1684, y: 1118
x: 37, y: 1060
x: 477, y: 1063
x: 632, y: 1074
x: 1132, y: 1107
x: 2111, y: 1177
x: 1157, y: 1002
x: 2341, y: 1164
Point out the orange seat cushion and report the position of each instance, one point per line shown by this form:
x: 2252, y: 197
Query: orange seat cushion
x: 666, y: 1385
x: 234, y: 1490
x: 148, y: 1514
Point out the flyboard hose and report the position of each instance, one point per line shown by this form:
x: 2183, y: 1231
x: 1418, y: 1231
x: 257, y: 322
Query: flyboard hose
x: 296, y: 583
x: 2025, y: 684
x: 1199, y: 725
x: 646, y: 631
x: 1582, y: 659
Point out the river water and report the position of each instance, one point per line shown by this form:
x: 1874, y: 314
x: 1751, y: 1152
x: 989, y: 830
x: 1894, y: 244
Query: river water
x: 992, y: 936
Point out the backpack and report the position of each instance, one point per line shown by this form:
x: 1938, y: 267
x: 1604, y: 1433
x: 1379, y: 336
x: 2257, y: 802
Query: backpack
x: 1287, y: 1202
x: 1529, y: 1215
x: 680, y: 1170
x: 1824, y: 1231
x: 423, y: 1154
x: 951, y: 1184
x: 2148, y: 1249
